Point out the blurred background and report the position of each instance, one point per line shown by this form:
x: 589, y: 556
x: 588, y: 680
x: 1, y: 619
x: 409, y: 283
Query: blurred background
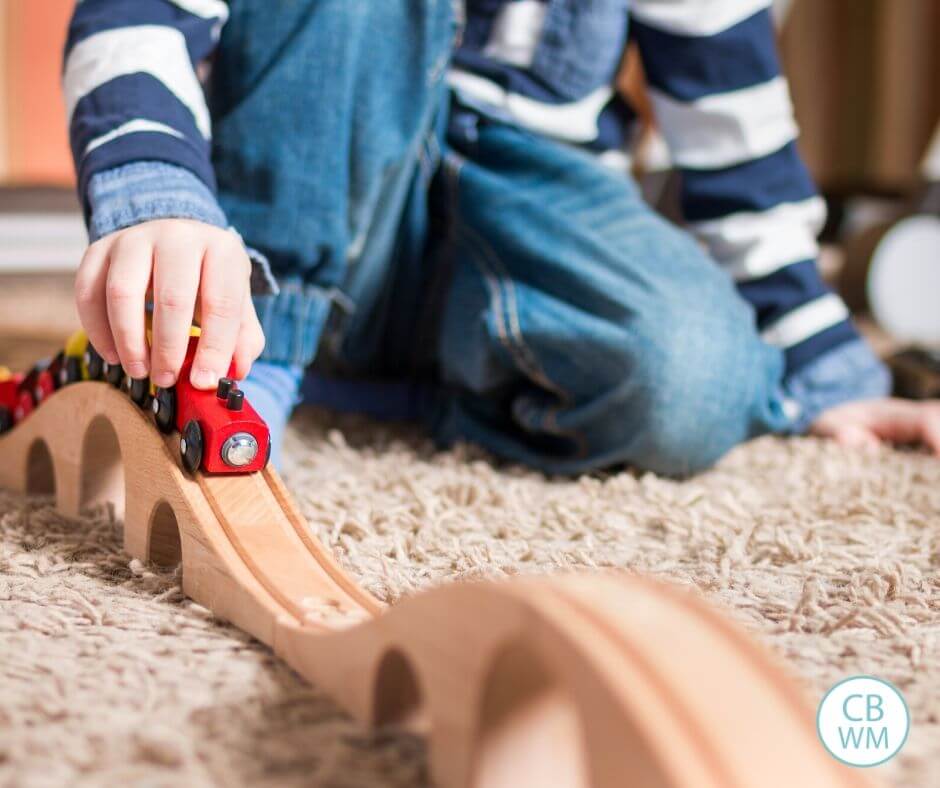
x: 865, y: 78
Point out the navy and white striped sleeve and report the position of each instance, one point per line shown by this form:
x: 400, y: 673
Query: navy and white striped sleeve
x: 725, y: 111
x: 130, y: 84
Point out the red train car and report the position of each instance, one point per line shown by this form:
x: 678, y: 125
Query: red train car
x: 16, y: 400
x: 40, y: 382
x: 219, y: 430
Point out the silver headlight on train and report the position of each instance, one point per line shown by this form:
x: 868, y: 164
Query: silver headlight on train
x: 239, y: 450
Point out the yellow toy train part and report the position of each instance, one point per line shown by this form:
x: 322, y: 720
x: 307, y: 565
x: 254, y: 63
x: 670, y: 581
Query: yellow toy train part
x: 80, y: 361
x: 194, y: 331
x: 74, y: 362
x: 5, y: 374
x: 76, y: 344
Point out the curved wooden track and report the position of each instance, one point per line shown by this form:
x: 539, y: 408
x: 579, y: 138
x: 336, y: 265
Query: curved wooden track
x: 580, y: 680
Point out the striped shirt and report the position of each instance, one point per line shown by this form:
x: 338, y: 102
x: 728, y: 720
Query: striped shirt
x: 132, y: 93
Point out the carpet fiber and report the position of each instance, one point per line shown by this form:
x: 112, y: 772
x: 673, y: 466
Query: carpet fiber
x: 109, y: 676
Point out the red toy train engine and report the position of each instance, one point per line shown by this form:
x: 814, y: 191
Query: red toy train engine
x: 219, y: 430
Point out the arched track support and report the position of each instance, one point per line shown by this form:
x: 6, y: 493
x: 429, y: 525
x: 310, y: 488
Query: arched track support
x: 635, y: 682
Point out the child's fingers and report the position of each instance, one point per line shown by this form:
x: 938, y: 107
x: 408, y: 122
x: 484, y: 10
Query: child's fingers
x: 901, y: 421
x: 222, y: 292
x: 128, y: 280
x: 90, y: 300
x: 855, y: 436
x: 932, y: 428
x: 250, y: 341
x: 175, y: 285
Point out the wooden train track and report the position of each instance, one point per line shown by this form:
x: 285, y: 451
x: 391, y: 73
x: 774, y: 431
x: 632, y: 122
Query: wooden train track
x: 580, y: 680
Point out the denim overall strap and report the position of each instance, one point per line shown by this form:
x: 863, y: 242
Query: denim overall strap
x: 319, y: 110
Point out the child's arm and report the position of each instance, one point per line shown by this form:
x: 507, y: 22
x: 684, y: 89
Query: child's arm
x: 140, y: 136
x: 725, y: 111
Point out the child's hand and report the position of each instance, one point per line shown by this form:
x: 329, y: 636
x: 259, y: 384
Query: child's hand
x: 866, y: 423
x: 193, y: 270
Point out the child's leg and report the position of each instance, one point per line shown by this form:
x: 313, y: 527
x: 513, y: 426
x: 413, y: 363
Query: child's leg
x: 321, y: 114
x: 581, y: 329
x: 273, y: 391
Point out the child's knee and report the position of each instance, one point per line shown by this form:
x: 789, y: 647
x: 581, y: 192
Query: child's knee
x: 686, y: 402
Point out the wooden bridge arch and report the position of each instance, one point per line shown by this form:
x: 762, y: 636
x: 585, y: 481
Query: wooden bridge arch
x: 601, y: 680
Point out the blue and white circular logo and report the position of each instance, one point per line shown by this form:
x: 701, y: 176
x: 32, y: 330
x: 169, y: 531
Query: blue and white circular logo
x: 863, y: 721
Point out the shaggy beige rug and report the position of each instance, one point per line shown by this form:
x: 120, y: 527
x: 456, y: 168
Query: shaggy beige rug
x: 109, y: 676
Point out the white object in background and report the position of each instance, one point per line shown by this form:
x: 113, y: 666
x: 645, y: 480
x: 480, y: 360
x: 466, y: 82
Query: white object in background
x: 930, y: 166
x: 32, y: 242
x: 904, y: 281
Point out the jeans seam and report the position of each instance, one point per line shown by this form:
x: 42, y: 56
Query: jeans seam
x: 501, y: 278
x: 453, y: 164
x: 502, y: 291
x: 496, y: 306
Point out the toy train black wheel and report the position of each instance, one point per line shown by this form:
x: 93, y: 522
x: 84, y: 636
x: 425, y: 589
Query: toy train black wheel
x: 191, y: 445
x: 164, y: 410
x: 94, y: 363
x: 6, y: 420
x: 267, y: 456
x: 71, y: 371
x: 114, y: 374
x: 55, y: 369
x: 139, y: 390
